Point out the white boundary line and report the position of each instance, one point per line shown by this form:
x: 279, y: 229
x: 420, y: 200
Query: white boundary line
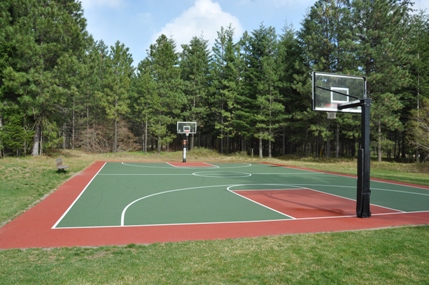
x: 196, y: 174
x: 212, y: 166
x: 145, y: 166
x: 237, y: 222
x: 244, y: 165
x: 209, y: 166
x: 225, y: 174
x: 72, y: 204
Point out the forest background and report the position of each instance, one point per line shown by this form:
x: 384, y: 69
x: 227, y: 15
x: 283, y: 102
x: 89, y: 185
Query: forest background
x: 60, y: 88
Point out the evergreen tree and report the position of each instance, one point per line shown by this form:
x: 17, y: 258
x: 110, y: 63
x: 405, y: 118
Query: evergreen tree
x: 42, y: 33
x: 144, y: 92
x: 418, y: 128
x: 325, y: 37
x: 326, y: 40
x: 115, y: 96
x: 419, y: 74
x: 67, y: 72
x: 93, y: 72
x: 195, y: 73
x: 288, y: 62
x: 261, y: 53
x: 226, y: 84
x: 381, y: 46
x: 420, y: 60
x: 168, y: 97
x: 5, y: 53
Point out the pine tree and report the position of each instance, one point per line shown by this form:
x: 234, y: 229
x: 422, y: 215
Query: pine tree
x: 325, y: 37
x: 93, y: 72
x: 69, y: 73
x: 288, y: 61
x: 419, y: 73
x: 327, y: 43
x: 168, y: 97
x: 226, y: 84
x: 115, y: 96
x: 144, y: 92
x: 42, y: 33
x: 418, y: 128
x: 261, y: 53
x: 195, y: 73
x: 420, y: 60
x: 5, y: 53
x: 381, y: 45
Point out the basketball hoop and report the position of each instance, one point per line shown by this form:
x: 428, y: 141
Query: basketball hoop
x: 186, y: 128
x: 332, y: 115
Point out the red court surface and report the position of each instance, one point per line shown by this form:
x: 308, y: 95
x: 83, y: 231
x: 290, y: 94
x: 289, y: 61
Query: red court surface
x: 306, y: 203
x: 33, y: 229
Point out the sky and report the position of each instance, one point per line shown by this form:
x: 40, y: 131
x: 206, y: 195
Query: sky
x: 138, y: 23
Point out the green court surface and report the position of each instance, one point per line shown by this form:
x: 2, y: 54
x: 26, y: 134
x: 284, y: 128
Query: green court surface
x: 141, y: 194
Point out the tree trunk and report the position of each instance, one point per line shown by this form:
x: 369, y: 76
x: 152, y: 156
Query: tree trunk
x: 221, y: 134
x: 379, y: 141
x: 36, y: 141
x: 260, y: 148
x: 115, y: 143
x: 64, y: 136
x: 145, y: 140
x: 284, y: 141
x: 115, y: 146
x: 87, y: 128
x: 243, y: 144
x: 159, y: 139
x: 328, y: 147
x: 73, y: 126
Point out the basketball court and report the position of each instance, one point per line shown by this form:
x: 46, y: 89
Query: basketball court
x: 119, y: 203
x: 114, y: 203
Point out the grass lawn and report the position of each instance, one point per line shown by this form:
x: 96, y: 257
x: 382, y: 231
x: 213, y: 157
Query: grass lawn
x: 385, y: 256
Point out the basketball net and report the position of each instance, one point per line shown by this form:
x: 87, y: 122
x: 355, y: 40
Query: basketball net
x: 187, y: 133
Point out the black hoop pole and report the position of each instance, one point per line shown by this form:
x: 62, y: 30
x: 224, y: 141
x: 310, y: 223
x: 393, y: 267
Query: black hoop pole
x: 363, y: 189
x: 364, y: 159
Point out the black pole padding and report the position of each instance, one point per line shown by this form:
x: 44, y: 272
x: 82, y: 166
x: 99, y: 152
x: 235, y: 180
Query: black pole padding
x: 363, y: 192
x: 359, y: 183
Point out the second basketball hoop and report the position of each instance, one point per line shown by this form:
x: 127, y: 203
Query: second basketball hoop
x: 186, y: 128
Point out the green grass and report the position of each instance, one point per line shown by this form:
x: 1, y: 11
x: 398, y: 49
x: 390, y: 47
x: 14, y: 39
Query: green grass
x: 390, y: 256
x: 386, y: 256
